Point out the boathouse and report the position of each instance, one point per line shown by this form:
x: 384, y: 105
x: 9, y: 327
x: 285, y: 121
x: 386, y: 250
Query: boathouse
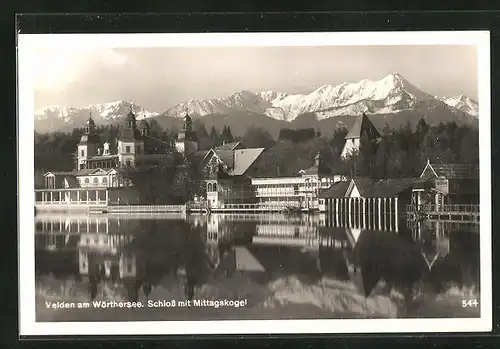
x: 368, y: 203
x: 453, y: 184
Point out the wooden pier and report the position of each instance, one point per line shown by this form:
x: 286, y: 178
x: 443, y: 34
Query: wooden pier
x: 244, y: 208
x: 138, y: 209
x: 447, y: 213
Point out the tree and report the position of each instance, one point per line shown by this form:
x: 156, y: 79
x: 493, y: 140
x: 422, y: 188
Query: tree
x: 199, y: 128
x: 226, y: 135
x: 422, y: 127
x: 366, y: 159
x: 156, y: 182
x: 256, y: 137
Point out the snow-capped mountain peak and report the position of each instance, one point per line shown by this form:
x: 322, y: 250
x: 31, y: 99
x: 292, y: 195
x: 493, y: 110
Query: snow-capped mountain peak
x: 462, y: 103
x: 118, y: 109
x: 59, y: 117
x: 390, y: 94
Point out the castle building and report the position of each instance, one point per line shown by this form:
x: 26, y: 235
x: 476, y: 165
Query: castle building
x: 96, y: 177
x: 361, y: 126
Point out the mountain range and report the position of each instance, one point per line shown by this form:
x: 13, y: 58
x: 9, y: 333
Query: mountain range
x: 392, y: 100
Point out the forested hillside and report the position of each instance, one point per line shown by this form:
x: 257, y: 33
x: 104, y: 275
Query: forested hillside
x: 399, y: 152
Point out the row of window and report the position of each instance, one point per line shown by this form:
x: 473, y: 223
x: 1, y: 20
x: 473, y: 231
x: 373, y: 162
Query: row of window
x: 95, y: 180
x: 211, y: 187
x: 127, y: 150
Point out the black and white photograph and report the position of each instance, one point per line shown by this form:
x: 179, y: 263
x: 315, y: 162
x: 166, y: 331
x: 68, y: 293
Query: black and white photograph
x: 254, y: 183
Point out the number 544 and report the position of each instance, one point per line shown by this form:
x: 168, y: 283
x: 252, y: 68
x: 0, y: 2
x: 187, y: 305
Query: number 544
x: 469, y: 303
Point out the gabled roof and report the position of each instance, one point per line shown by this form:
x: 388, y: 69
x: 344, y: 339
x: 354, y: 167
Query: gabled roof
x: 58, y: 173
x: 241, y: 259
x: 452, y: 171
x: 226, y: 156
x: 230, y: 146
x: 92, y: 171
x: 362, y: 125
x: 98, y: 171
x: 244, y: 159
x: 336, y: 190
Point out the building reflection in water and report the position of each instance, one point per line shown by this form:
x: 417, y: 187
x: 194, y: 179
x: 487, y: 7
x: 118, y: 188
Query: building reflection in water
x: 140, y: 254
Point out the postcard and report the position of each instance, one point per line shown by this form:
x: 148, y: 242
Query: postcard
x: 256, y: 183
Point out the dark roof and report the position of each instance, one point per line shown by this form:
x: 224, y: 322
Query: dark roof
x: 201, y: 153
x: 128, y: 134
x: 90, y: 122
x: 154, y: 145
x: 229, y: 146
x: 89, y: 138
x: 380, y: 188
x: 336, y: 190
x: 198, y: 156
x: 72, y: 182
x: 226, y: 156
x: 455, y: 170
x: 373, y: 188
x: 362, y: 125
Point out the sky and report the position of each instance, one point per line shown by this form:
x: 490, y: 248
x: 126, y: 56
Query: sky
x: 158, y: 78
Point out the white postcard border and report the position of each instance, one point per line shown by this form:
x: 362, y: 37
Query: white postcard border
x: 27, y: 42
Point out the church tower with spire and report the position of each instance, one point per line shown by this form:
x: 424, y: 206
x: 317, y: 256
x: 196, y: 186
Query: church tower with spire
x: 187, y: 142
x: 89, y: 142
x: 362, y: 126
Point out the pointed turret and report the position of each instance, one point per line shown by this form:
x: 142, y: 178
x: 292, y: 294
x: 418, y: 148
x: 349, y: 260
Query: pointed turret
x: 187, y: 142
x: 130, y: 120
x: 89, y: 142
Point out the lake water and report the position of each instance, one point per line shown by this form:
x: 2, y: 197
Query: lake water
x: 250, y: 267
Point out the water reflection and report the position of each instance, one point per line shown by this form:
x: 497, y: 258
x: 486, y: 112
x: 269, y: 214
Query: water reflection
x: 134, y: 256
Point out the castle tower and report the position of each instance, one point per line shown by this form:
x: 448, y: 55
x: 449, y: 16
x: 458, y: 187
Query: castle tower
x: 143, y: 127
x: 363, y: 125
x: 187, y: 142
x: 130, y: 141
x: 88, y: 145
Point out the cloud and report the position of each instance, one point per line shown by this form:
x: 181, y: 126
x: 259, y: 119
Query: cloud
x: 55, y: 70
x: 158, y: 78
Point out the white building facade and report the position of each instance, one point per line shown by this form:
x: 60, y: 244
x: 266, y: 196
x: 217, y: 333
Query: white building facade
x: 296, y: 192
